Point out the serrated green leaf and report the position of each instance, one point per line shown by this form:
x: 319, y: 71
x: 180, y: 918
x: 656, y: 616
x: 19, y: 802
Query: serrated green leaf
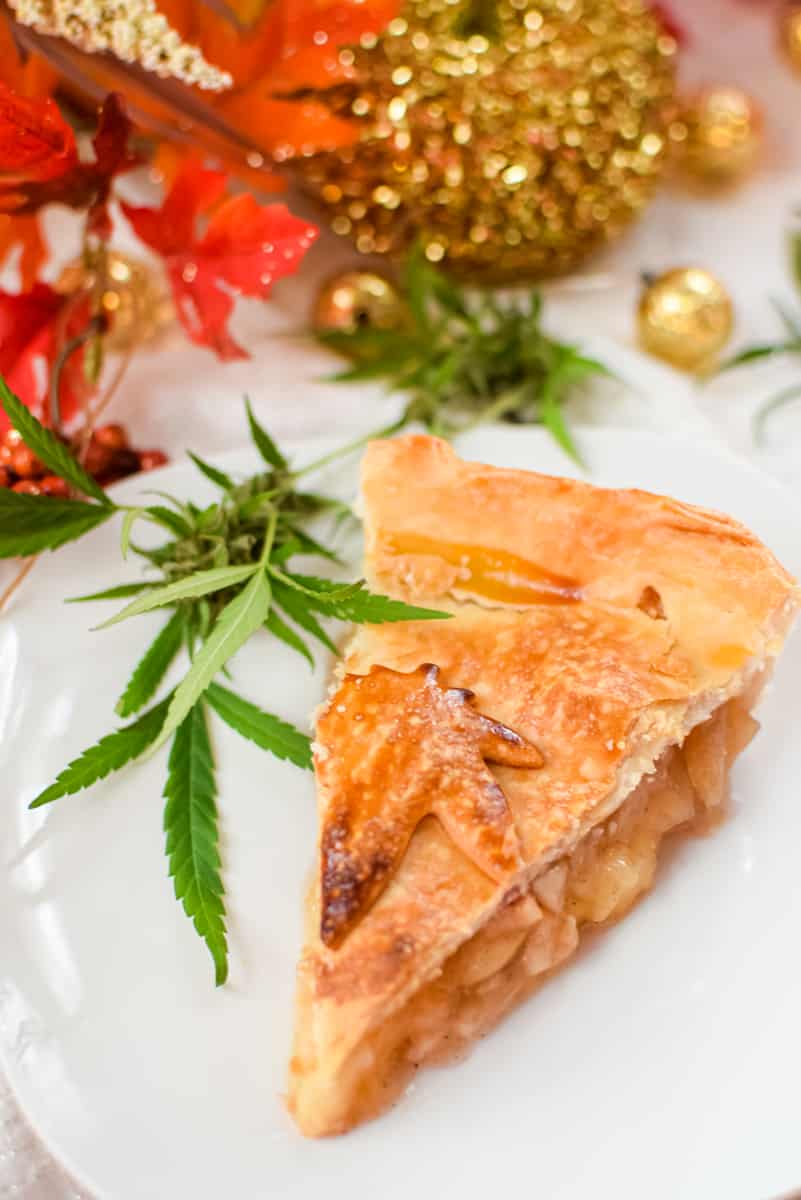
x: 362, y: 606
x: 553, y: 418
x: 463, y: 359
x: 795, y: 259
x: 201, y: 583
x: 313, y: 502
x: 417, y: 276
x: 580, y: 365
x: 30, y: 524
x: 753, y: 353
x: 157, y: 555
x: 364, y: 372
x: 109, y: 754
x: 240, y: 618
x: 790, y: 320
x: 309, y: 545
x: 285, y: 551
x: 113, y: 593
x: 314, y: 585
x: 190, y: 823
x: 211, y: 472
x: 293, y: 604
x: 168, y: 496
x: 264, y: 443
x: 268, y: 732
x: 258, y: 507
x: 159, y: 514
x: 127, y: 525
x: 152, y: 667
x: 773, y: 404
x: 359, y: 344
x: 46, y: 446
x: 287, y: 635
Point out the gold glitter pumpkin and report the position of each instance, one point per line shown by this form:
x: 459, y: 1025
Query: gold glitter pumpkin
x: 512, y: 136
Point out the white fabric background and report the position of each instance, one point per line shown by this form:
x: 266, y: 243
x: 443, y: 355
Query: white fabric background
x: 179, y: 396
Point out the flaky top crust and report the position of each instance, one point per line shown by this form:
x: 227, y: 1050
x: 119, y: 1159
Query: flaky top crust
x: 716, y: 580
x: 599, y: 626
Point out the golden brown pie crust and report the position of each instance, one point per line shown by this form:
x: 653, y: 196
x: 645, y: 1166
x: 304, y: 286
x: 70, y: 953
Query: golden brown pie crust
x: 434, y: 746
x: 604, y: 628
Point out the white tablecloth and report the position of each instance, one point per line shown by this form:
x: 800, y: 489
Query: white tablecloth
x: 179, y: 396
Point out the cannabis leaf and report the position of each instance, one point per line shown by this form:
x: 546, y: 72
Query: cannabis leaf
x: 29, y: 524
x: 111, y: 753
x: 47, y: 447
x: 264, y: 443
x: 790, y: 344
x: 356, y: 603
x: 152, y: 667
x: 246, y: 613
x: 467, y: 358
x: 754, y: 353
x: 190, y: 823
x: 226, y: 573
x: 190, y: 587
x: 267, y: 731
x: 161, y: 515
x: 286, y: 634
x: 120, y: 592
x: 293, y: 604
x: 211, y: 472
x: 773, y: 404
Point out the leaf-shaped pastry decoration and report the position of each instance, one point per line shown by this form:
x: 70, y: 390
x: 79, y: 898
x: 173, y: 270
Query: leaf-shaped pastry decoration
x: 405, y: 748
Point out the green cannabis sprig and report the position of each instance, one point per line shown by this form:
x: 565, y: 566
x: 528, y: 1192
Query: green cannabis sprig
x: 789, y: 344
x: 465, y: 359
x: 224, y: 573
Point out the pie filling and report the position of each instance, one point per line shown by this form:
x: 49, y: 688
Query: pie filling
x: 532, y: 934
x: 493, y: 574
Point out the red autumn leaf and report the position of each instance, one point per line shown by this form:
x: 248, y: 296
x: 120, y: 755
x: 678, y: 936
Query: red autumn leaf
x: 23, y: 232
x: 246, y: 247
x: 37, y: 180
x: 36, y: 143
x: 112, y: 158
x: 33, y: 326
x: 171, y: 228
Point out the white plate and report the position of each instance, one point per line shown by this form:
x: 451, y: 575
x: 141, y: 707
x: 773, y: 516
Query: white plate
x: 663, y: 1062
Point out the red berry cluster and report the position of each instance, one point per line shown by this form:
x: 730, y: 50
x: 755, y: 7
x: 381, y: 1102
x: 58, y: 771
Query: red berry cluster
x: 108, y: 457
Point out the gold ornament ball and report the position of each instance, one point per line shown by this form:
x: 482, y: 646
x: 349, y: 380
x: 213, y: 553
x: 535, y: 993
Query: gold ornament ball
x: 357, y: 298
x: 790, y: 34
x: 723, y: 134
x: 685, y: 317
x: 512, y: 137
x: 134, y: 298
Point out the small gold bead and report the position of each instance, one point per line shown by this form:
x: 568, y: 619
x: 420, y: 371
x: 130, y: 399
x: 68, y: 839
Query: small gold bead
x: 685, y: 317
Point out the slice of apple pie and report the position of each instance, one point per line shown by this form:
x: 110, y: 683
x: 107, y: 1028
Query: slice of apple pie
x: 492, y: 784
